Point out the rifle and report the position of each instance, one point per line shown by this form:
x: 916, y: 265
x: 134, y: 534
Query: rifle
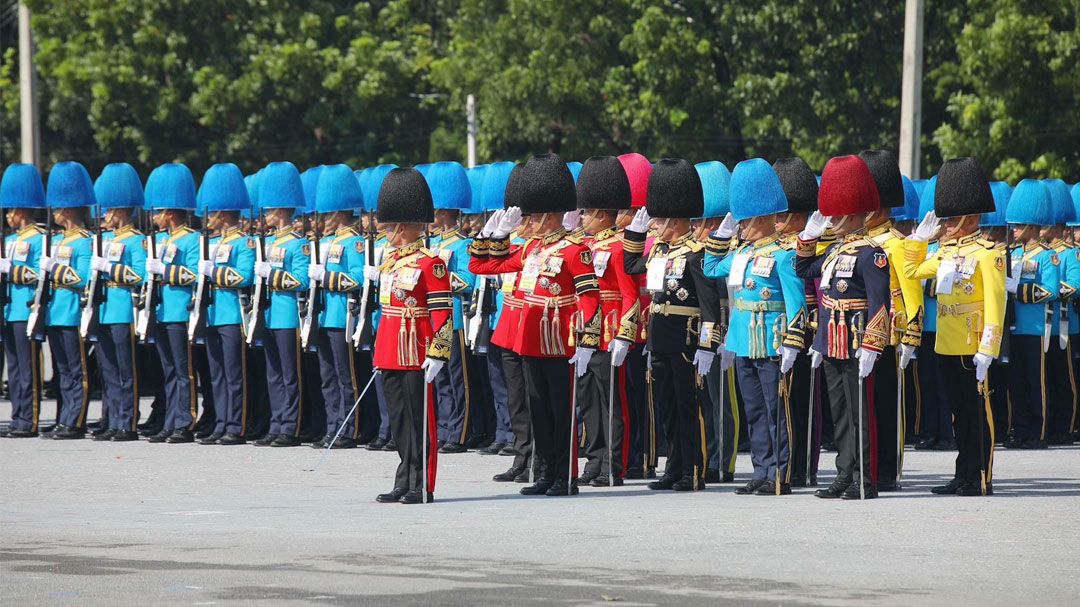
x: 145, y: 320
x: 201, y: 299
x: 309, y: 323
x: 256, y: 327
x: 35, y: 324
x: 479, y: 323
x: 94, y: 295
x: 364, y: 337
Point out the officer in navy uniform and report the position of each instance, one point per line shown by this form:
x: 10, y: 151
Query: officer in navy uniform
x: 339, y: 271
x: 170, y: 193
x: 682, y: 339
x: 285, y: 271
x: 229, y: 269
x: 69, y: 193
x: 853, y: 315
x: 122, y: 262
x: 21, y: 195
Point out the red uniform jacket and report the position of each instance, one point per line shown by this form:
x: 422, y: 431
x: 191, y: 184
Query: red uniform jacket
x: 619, y: 291
x: 557, y: 286
x: 416, y: 306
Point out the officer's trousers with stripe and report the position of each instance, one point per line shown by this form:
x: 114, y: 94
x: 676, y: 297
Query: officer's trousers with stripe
x: 171, y: 340
x: 69, y: 354
x: 405, y: 401
x: 119, y: 387
x: 338, y: 382
x: 283, y: 371
x: 767, y: 417
x: 1027, y: 387
x: 593, y: 396
x: 674, y: 385
x: 24, y: 376
x: 842, y: 378
x: 548, y: 384
x: 973, y: 419
x: 227, y: 354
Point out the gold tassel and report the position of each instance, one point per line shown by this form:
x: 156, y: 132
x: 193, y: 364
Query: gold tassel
x: 545, y: 333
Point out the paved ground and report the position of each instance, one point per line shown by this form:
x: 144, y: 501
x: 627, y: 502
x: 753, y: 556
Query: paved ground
x: 144, y: 524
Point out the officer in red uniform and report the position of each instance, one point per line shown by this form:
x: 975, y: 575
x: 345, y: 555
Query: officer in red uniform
x: 413, y: 340
x: 602, y: 191
x: 559, y: 323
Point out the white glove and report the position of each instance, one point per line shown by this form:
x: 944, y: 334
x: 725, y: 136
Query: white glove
x: 640, y: 223
x: 509, y: 220
x: 213, y: 252
x: 262, y: 269
x: 787, y: 358
x: 47, y: 264
x: 703, y: 361
x: 100, y: 264
x: 492, y: 224
x: 154, y: 266
x: 866, y: 359
x: 206, y: 268
x: 926, y: 228
x: 618, y: 348
x: 815, y: 359
x: 580, y: 360
x: 371, y: 274
x: 727, y: 228
x: 727, y: 358
x: 571, y: 221
x: 316, y: 271
x: 5, y: 265
x: 815, y: 226
x: 431, y: 368
x: 982, y: 363
x: 1012, y: 283
x: 906, y: 354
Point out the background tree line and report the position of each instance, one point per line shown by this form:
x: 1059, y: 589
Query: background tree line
x: 316, y: 81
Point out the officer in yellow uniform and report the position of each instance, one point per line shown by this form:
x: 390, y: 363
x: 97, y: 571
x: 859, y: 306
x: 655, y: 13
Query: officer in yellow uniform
x: 970, y: 275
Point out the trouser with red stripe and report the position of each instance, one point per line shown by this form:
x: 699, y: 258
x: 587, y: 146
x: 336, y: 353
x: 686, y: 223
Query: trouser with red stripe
x: 842, y: 380
x: 593, y: 397
x: 405, y: 404
x: 549, y: 383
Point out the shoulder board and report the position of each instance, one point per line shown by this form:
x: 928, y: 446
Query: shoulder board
x: 84, y: 232
x: 183, y: 230
x: 574, y: 238
x: 987, y: 243
x: 695, y: 246
x: 427, y: 252
x: 787, y: 244
x: 772, y: 248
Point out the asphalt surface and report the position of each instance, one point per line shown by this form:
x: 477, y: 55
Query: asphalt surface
x: 93, y: 523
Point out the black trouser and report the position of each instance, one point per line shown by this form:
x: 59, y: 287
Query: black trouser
x: 258, y: 403
x: 1027, y: 387
x: 722, y: 384
x: 283, y: 385
x: 313, y: 416
x: 338, y: 380
x: 517, y: 402
x: 152, y: 383
x: 24, y: 376
x: 200, y: 360
x: 999, y: 400
x: 888, y: 407
x: 973, y: 419
x: 549, y: 382
x: 674, y: 382
x: 1074, y: 347
x: 227, y: 357
x: 799, y: 395
x: 933, y: 420
x: 1061, y: 400
x: 482, y: 418
x: 405, y: 404
x: 368, y: 412
x: 594, y: 398
x: 842, y: 379
x: 119, y: 376
x: 642, y: 447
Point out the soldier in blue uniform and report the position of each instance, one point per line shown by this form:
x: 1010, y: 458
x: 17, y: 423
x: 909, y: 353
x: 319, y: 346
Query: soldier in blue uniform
x: 228, y: 270
x: 122, y: 262
x: 21, y: 195
x: 286, y: 274
x: 1034, y: 282
x: 1059, y: 369
x: 768, y: 319
x: 853, y: 316
x: 170, y: 194
x: 457, y: 385
x: 340, y: 271
x: 1073, y: 233
x: 69, y: 193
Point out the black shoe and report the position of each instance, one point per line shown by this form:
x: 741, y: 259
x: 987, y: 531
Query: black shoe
x: 232, y: 439
x: 376, y: 444
x: 663, y: 483
x: 453, y: 448
x: 180, y: 436
x: 416, y: 497
x: 1060, y: 439
x: 478, y: 442
x: 889, y: 486
x: 798, y: 481
x: 1013, y: 442
x: 492, y: 449
x: 925, y: 444
x: 104, y: 435
x: 1033, y: 443
x: 390, y: 445
x: 973, y: 489
x: 212, y: 439
x: 321, y: 443
x: 99, y: 431
x: 687, y: 484
x: 948, y: 488
x: 67, y: 433
x: 285, y: 441
x: 712, y: 476
x: 123, y: 436
x: 769, y: 488
x: 508, y: 476
x: 588, y: 475
x: 727, y: 477
x: 634, y: 474
x: 509, y: 450
x: 833, y: 491
x: 159, y: 437
x: 21, y: 434
x: 605, y: 480
x: 559, y: 488
x: 150, y: 430
x: 945, y: 444
x: 750, y: 488
x: 201, y: 433
x: 852, y: 492
x: 344, y: 442
x: 540, y: 487
x: 265, y: 440
x: 390, y: 498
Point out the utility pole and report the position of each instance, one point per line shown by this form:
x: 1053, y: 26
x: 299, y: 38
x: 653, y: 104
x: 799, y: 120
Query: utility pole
x: 911, y: 90
x: 31, y: 148
x: 470, y: 130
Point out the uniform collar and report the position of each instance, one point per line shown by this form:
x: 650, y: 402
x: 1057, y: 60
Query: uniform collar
x: 856, y: 235
x: 606, y: 233
x: 555, y: 236
x: 882, y: 228
x: 681, y: 240
x: 345, y: 230
x: 124, y: 230
x: 288, y: 230
x: 75, y: 231
x: 410, y: 248
x: 31, y: 228
x: 767, y: 240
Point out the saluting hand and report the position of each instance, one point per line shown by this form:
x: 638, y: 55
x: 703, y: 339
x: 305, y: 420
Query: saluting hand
x: 815, y: 226
x: 641, y: 220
